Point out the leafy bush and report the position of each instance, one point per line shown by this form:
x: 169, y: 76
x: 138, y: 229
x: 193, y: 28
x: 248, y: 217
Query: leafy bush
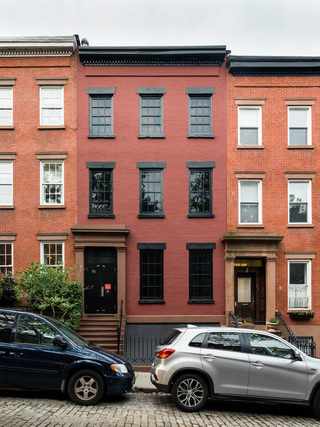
x: 8, y: 290
x: 53, y: 291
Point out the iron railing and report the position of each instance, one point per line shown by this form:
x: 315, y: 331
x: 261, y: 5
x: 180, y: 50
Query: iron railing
x: 305, y: 344
x: 141, y: 350
x: 119, y: 326
x: 233, y: 320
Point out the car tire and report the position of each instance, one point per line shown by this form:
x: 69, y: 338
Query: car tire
x: 315, y: 404
x: 190, y: 392
x: 86, y: 387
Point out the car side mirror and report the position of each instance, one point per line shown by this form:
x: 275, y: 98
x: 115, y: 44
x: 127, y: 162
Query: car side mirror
x: 59, y: 341
x: 296, y: 355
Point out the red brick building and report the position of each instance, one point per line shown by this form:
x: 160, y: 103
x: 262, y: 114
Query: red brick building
x: 38, y: 125
x: 152, y: 185
x: 272, y: 245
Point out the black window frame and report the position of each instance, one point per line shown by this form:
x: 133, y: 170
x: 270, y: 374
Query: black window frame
x: 150, y: 167
x: 149, y: 251
x: 100, y: 167
x: 105, y: 93
x: 150, y: 93
x: 204, y: 249
x: 200, y: 93
x: 201, y: 167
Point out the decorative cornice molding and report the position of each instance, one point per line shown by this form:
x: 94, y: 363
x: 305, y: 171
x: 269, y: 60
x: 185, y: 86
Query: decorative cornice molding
x: 152, y: 63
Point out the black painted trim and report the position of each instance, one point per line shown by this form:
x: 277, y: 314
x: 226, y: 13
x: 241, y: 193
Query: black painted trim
x: 101, y: 90
x: 197, y: 165
x: 101, y: 165
x: 201, y: 245
x: 200, y: 301
x: 151, y: 165
x: 151, y: 246
x: 200, y: 90
x: 151, y: 90
x: 151, y: 301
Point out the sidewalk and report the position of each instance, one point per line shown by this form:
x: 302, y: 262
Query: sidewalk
x: 143, y: 383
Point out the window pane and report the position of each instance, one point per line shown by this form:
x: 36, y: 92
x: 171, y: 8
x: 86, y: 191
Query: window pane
x: 6, y: 324
x: 298, y: 136
x: 200, y: 191
x: 249, y: 191
x: 52, y: 106
x: 249, y: 212
x: 151, y: 197
x: 298, y: 118
x: 34, y: 331
x: 227, y: 341
x: 267, y: 346
x: 298, y: 285
x: 249, y: 117
x: 298, y: 201
x: 151, y: 274
x: 249, y: 136
x: 101, y: 192
x: 150, y: 114
x: 101, y: 114
x: 200, y: 114
x: 200, y: 279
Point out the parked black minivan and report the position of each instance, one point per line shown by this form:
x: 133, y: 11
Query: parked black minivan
x: 41, y: 353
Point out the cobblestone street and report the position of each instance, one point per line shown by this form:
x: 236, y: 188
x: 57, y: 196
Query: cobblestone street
x: 141, y: 409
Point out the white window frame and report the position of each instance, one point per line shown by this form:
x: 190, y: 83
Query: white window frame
x: 309, y: 121
x: 56, y: 242
x: 42, y: 198
x: 60, y: 107
x: 309, y: 200
x: 249, y: 107
x: 259, y: 182
x: 7, y: 108
x: 10, y: 162
x: 7, y: 265
x: 307, y: 262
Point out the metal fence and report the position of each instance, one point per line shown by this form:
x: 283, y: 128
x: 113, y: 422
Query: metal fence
x: 141, y: 350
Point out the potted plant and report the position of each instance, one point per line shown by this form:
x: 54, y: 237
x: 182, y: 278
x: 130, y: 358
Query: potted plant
x: 301, y: 314
x: 272, y: 324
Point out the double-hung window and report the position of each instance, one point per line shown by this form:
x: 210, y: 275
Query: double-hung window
x: 249, y: 125
x: 151, y: 111
x: 250, y: 201
x: 51, y: 106
x: 200, y: 272
x: 299, y: 119
x: 299, y: 284
x: 52, y: 254
x: 101, y: 112
x: 6, y: 257
x: 151, y: 189
x: 6, y: 106
x: 151, y: 272
x: 101, y: 189
x: 299, y: 192
x: 6, y: 183
x: 51, y: 182
x: 200, y: 112
x: 200, y: 189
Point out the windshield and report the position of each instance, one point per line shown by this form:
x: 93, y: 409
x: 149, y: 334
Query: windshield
x: 169, y: 340
x: 70, y: 333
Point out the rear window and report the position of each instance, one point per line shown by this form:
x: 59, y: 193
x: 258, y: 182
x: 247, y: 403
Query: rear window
x: 170, y: 338
x: 198, y: 340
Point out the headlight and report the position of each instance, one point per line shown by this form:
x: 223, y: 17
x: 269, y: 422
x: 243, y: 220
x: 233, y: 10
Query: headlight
x: 119, y: 367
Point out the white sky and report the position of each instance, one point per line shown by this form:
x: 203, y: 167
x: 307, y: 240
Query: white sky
x: 246, y: 27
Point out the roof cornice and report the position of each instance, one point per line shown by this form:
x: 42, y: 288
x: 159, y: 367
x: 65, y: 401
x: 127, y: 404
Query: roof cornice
x: 273, y: 65
x: 37, y: 46
x: 153, y: 56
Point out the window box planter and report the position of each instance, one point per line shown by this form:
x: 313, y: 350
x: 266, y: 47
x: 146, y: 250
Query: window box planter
x: 301, y: 315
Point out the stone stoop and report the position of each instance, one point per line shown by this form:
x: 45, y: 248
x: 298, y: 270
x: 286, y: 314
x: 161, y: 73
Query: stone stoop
x: 101, y: 329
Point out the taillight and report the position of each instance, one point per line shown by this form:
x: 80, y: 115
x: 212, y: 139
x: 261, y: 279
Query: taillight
x: 163, y: 354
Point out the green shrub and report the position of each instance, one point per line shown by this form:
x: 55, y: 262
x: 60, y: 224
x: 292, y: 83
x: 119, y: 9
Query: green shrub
x: 53, y: 291
x: 8, y: 290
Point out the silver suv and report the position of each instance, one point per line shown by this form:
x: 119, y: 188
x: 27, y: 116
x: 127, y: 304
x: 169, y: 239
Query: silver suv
x: 196, y: 363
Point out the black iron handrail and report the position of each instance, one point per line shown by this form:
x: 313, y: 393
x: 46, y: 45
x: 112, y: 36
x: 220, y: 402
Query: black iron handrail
x: 233, y: 319
x: 287, y: 332
x: 119, y: 326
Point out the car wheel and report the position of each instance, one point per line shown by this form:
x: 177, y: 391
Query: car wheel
x: 86, y: 387
x: 315, y: 405
x: 190, y: 392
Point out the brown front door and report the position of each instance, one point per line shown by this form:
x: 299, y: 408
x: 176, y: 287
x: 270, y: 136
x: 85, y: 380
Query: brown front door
x: 245, y: 296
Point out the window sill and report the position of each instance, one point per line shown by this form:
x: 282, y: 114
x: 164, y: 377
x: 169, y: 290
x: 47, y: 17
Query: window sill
x: 6, y: 127
x: 101, y: 216
x: 102, y: 136
x: 7, y: 207
x: 151, y: 136
x: 151, y: 216
x: 59, y: 127
x: 300, y: 226
x: 250, y: 147
x: 300, y: 147
x: 199, y: 135
x: 250, y: 226
x: 201, y: 301
x: 151, y: 301
x: 200, y: 215
x: 51, y: 207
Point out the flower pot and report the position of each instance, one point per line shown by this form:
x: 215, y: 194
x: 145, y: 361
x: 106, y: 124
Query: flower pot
x: 301, y: 316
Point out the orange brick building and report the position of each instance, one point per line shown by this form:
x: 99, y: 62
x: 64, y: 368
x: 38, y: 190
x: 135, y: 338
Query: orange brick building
x: 272, y: 244
x: 38, y: 125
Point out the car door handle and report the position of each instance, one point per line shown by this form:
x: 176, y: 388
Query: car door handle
x: 257, y: 364
x: 15, y: 354
x: 209, y: 357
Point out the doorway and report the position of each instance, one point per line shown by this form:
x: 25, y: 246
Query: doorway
x: 100, y: 280
x: 250, y: 290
